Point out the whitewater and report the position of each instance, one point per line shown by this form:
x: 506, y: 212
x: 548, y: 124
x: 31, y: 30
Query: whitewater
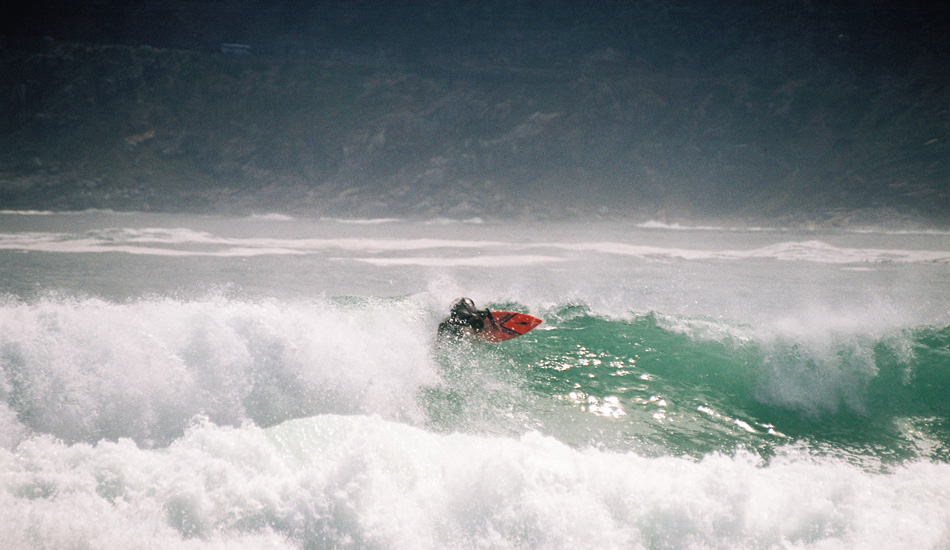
x: 182, y: 381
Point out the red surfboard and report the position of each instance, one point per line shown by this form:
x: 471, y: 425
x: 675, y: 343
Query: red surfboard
x: 509, y: 324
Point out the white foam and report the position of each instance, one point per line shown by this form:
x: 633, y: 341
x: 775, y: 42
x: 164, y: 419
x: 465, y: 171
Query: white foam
x: 198, y: 243
x: 820, y: 252
x: 26, y: 212
x: 804, y: 251
x: 512, y: 260
x: 880, y: 231
x: 176, y: 241
x: 654, y: 224
x: 271, y: 217
x: 364, y: 221
x: 363, y: 482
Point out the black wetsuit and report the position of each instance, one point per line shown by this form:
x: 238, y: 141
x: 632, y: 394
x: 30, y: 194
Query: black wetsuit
x: 464, y: 317
x: 455, y: 327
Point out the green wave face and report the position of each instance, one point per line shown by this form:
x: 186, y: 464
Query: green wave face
x: 661, y: 385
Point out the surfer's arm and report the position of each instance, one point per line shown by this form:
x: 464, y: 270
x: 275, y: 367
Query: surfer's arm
x: 488, y: 320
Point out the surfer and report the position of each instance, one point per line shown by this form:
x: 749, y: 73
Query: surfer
x: 465, y: 319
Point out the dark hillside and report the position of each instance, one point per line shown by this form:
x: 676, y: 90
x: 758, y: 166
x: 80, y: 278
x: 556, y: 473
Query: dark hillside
x: 833, y: 113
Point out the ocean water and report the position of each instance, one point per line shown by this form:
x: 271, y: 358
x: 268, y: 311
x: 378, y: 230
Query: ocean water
x: 269, y: 382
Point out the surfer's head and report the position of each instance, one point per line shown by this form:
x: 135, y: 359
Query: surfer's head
x: 464, y: 309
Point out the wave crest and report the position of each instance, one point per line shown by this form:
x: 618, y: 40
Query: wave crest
x: 86, y: 369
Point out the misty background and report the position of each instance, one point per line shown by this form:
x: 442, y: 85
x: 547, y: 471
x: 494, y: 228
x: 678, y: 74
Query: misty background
x: 806, y: 112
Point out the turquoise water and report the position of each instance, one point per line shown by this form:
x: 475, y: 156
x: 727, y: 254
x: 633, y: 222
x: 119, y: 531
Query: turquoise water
x: 692, y: 387
x: 204, y: 382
